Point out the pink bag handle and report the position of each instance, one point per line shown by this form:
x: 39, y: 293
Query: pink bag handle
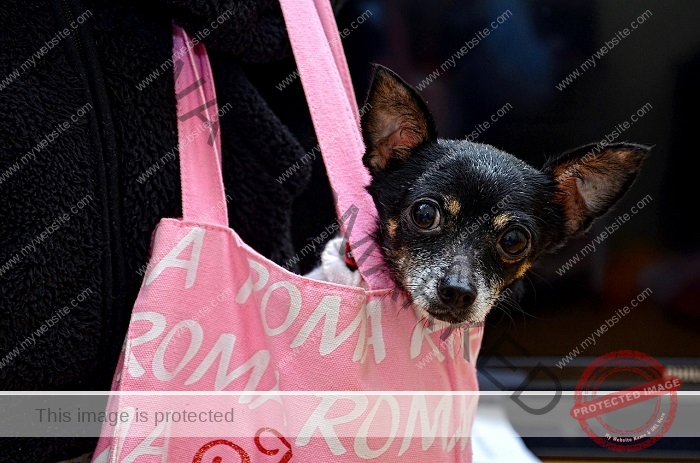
x: 324, y: 74
x: 203, y: 195
x: 330, y: 28
x: 326, y: 80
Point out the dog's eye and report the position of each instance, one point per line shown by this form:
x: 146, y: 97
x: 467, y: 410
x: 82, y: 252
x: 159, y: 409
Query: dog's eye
x: 514, y: 243
x: 426, y: 215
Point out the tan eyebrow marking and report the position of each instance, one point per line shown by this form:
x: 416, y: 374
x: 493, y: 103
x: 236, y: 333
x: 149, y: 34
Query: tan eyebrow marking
x: 501, y: 220
x: 453, y: 206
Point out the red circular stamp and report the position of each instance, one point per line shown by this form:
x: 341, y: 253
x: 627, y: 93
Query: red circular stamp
x: 630, y: 419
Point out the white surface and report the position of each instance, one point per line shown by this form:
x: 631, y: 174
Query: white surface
x: 495, y: 440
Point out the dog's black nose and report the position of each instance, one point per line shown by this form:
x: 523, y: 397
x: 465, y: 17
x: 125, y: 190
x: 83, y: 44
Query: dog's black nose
x: 456, y: 293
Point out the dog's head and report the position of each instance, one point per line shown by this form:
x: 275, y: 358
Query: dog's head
x: 459, y: 222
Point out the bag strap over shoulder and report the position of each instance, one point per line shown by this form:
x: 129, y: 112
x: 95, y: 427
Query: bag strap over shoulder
x: 324, y: 74
x: 203, y: 196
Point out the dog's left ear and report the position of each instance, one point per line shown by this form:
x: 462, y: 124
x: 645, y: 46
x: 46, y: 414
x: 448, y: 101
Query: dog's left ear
x: 590, y: 180
x: 398, y: 120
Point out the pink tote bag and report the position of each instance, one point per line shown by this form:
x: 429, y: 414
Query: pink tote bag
x: 231, y: 358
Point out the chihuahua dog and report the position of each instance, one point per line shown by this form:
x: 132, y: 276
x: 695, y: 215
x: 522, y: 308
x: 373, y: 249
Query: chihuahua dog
x: 459, y: 222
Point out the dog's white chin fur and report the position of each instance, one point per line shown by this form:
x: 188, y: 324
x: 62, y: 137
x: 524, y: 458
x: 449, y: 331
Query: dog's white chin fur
x: 423, y: 314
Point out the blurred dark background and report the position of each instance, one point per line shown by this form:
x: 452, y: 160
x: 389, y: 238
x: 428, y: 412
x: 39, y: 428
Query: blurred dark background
x: 521, y: 63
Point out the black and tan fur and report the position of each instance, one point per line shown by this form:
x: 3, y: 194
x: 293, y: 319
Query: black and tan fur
x: 489, y: 203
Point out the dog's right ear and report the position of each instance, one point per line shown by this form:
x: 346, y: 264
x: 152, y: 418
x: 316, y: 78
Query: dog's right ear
x: 589, y: 180
x: 397, y: 121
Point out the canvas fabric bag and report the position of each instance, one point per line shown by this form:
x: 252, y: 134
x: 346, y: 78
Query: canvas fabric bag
x: 297, y: 369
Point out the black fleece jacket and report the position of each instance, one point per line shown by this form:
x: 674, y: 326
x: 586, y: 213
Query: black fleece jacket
x: 83, y: 116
